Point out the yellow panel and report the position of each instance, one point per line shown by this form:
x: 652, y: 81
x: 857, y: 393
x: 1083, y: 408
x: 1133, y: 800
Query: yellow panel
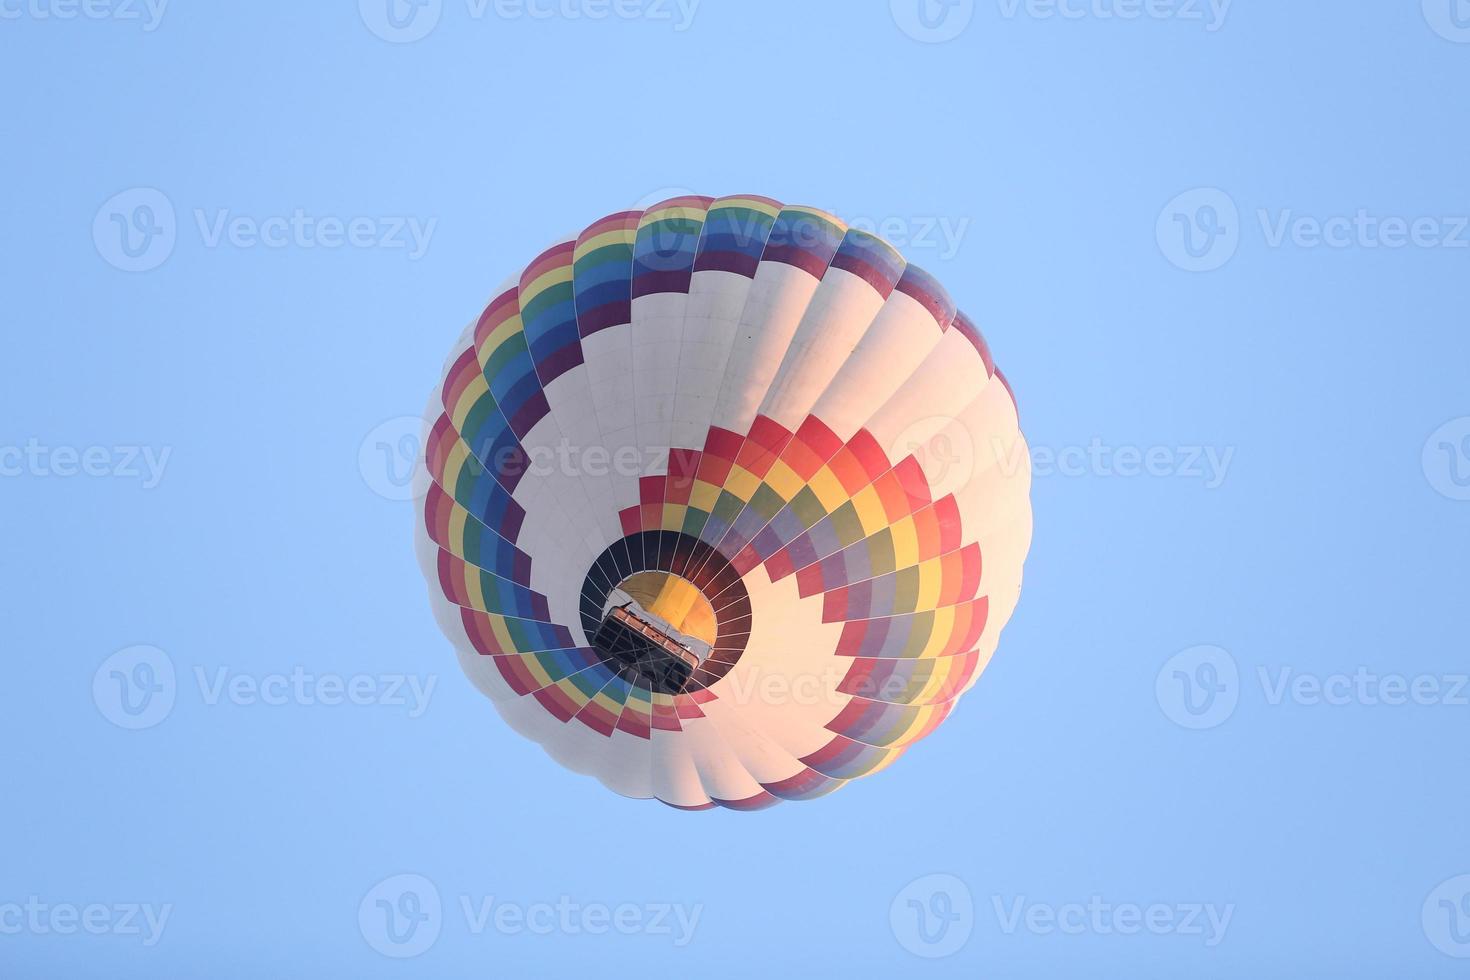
x: 617, y: 236
x: 870, y: 512
x: 454, y: 460
x: 533, y: 666
x: 940, y: 634
x: 471, y: 577
x: 508, y: 328
x: 744, y: 202
x: 473, y: 392
x: 931, y: 579
x: 742, y: 483
x: 905, y: 543
x: 829, y: 490
x: 457, y: 518
x: 889, y: 757
x: 704, y: 496
x: 784, y: 480
x: 501, y: 634
x: 551, y: 277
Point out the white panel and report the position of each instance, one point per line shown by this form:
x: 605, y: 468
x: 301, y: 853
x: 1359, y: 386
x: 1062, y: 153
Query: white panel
x: 839, y: 314
x: 945, y: 382
x: 885, y: 358
x: 716, y: 301
x: 777, y: 300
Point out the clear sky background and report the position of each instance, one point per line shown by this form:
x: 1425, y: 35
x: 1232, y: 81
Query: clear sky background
x: 1102, y: 760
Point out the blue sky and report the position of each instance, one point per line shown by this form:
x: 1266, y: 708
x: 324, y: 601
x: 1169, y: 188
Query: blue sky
x: 1219, y: 250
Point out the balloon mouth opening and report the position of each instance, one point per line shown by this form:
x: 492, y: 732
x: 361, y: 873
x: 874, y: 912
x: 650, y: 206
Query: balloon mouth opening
x: 665, y: 610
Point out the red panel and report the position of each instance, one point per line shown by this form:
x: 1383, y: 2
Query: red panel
x: 630, y: 518
x: 822, y: 440
x: 779, y: 565
x: 910, y: 476
x: 722, y: 443
x: 552, y: 258
x: 869, y: 454
x: 465, y: 369
x: 554, y: 700
x: 651, y: 489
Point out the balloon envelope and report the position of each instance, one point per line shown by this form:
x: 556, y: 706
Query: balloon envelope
x: 723, y: 502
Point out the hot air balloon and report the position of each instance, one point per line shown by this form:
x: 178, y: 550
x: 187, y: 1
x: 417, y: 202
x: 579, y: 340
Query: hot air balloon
x: 723, y: 503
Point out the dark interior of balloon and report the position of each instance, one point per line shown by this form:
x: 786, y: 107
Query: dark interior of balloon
x: 644, y: 653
